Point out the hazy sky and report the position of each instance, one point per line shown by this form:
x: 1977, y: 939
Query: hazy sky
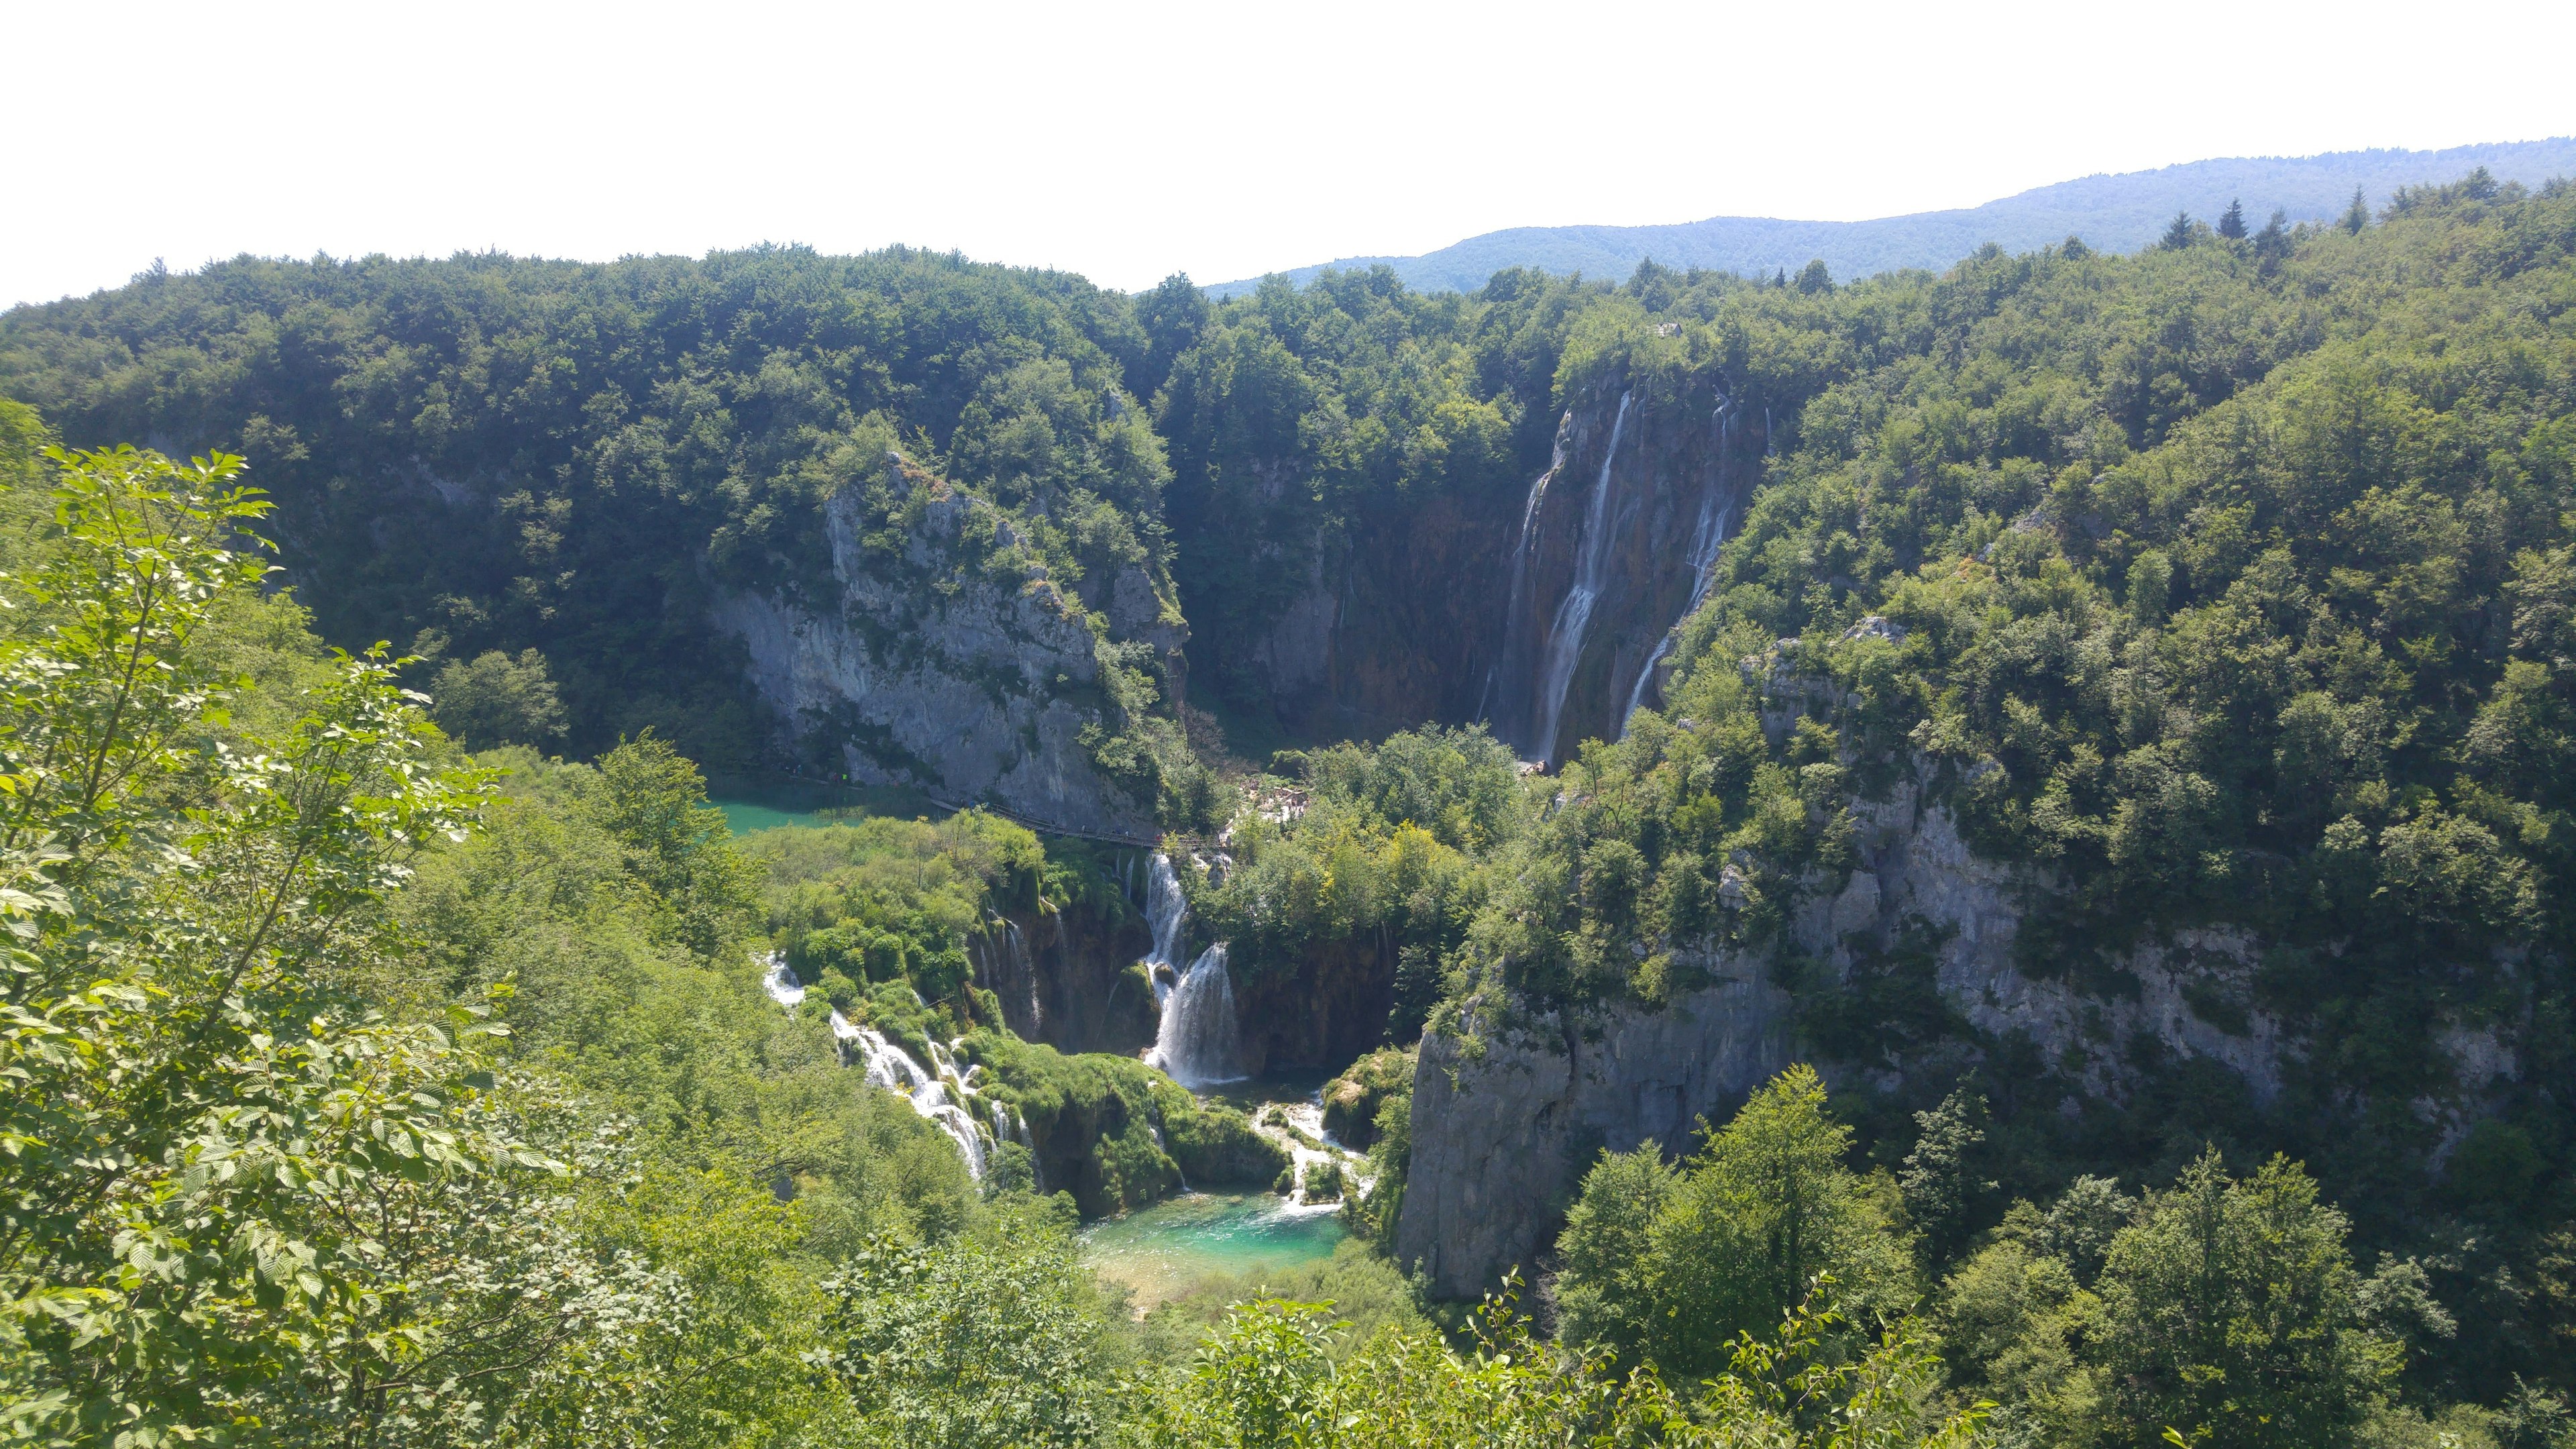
x: 1130, y: 141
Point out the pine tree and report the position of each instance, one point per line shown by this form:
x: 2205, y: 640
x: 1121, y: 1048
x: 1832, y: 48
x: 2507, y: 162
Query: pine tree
x: 2272, y: 243
x: 2357, y: 215
x: 2231, y: 224
x: 2178, y: 235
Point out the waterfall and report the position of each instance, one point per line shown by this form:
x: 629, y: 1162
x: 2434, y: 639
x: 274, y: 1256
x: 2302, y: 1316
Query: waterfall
x: 781, y: 984
x: 938, y: 1093
x: 1520, y: 575
x: 1166, y: 911
x: 1574, y: 615
x: 1705, y: 541
x: 1196, y: 1042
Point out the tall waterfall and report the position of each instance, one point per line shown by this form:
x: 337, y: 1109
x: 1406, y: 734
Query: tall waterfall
x: 1514, y: 605
x: 1706, y: 539
x: 1197, y: 1040
x: 1574, y: 615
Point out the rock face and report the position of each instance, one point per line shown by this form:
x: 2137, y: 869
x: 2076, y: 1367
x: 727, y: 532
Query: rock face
x: 952, y: 665
x: 1328, y: 1010
x: 1067, y: 978
x: 1614, y: 548
x: 1507, y: 1115
x: 1455, y: 606
x: 1504, y: 1129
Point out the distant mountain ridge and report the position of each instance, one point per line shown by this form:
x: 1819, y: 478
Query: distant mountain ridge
x: 2112, y: 213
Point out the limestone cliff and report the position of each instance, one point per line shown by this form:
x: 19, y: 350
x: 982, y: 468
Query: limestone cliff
x: 1510, y: 1106
x: 1068, y: 978
x: 1539, y: 611
x: 940, y: 655
x: 1614, y: 547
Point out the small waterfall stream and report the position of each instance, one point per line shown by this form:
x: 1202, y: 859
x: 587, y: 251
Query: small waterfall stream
x: 939, y: 1093
x: 1706, y: 539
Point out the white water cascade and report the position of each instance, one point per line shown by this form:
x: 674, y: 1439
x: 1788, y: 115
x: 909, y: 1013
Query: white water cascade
x: 939, y: 1093
x: 1196, y: 1041
x: 1520, y: 567
x: 1166, y: 911
x: 1706, y: 539
x: 1574, y: 615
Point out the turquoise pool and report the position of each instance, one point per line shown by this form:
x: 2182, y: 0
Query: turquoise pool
x: 1162, y: 1250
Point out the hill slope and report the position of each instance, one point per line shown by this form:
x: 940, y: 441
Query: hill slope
x: 2112, y: 213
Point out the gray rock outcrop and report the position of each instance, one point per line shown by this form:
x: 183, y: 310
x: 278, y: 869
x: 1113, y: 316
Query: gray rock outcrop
x: 1507, y: 1117
x: 956, y: 667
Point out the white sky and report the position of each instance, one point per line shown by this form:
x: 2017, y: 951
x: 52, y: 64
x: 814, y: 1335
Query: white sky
x: 1128, y: 141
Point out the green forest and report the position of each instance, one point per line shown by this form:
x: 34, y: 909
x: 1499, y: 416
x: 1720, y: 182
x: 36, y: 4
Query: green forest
x: 388, y: 1053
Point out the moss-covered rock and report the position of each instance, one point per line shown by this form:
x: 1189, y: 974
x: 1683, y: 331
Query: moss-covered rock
x: 1114, y: 1132
x: 1215, y: 1146
x: 1353, y: 1100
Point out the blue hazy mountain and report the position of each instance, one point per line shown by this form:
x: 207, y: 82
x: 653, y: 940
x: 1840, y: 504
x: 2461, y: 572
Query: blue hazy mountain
x: 2111, y: 213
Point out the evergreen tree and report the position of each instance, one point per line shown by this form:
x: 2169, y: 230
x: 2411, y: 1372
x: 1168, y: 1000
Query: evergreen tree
x: 2180, y: 234
x: 2357, y: 215
x: 1939, y: 1184
x: 2231, y: 223
x: 2272, y: 243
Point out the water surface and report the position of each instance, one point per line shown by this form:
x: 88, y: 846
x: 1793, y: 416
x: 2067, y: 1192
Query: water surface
x: 1160, y: 1251
x: 745, y: 816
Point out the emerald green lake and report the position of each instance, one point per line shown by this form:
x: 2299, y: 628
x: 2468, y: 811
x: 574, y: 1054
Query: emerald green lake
x: 1162, y: 1250
x: 745, y: 816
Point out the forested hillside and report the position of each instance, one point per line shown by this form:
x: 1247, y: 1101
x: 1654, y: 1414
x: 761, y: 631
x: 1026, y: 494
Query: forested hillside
x: 2119, y: 213
x: 2035, y: 911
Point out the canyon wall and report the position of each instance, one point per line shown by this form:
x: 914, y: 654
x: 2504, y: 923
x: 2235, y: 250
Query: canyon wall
x: 950, y: 664
x: 1511, y: 1106
x: 1067, y: 978
x: 1541, y: 612
x: 1614, y: 547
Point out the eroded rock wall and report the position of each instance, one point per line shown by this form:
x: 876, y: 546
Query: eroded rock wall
x: 953, y: 666
x: 1068, y: 978
x: 1509, y: 1114
x: 1614, y: 543
x: 1510, y: 1106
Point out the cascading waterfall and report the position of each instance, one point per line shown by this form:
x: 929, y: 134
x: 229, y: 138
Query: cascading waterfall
x: 1574, y: 614
x: 939, y: 1093
x: 1706, y: 539
x: 1166, y: 911
x: 1196, y: 1041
